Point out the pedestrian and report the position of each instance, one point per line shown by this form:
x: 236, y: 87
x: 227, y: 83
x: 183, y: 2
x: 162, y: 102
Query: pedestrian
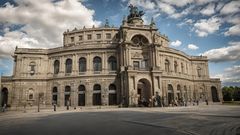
x: 54, y: 106
x: 158, y: 99
x: 68, y: 103
x: 4, y: 107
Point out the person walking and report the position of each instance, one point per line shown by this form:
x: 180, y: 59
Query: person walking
x: 4, y: 107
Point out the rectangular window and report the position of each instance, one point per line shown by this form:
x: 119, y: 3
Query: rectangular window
x: 135, y: 65
x: 144, y: 64
x: 98, y: 36
x: 80, y: 38
x: 108, y: 36
x: 72, y: 39
x: 89, y: 36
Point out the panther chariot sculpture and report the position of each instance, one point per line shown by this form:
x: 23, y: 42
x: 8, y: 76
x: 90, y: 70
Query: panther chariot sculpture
x: 134, y: 13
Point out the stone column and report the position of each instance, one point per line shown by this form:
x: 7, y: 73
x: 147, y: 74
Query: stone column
x: 62, y: 67
x: 89, y: 94
x: 89, y: 64
x: 104, y: 94
x: 104, y: 67
x: 73, y: 94
x: 62, y: 95
x: 75, y: 64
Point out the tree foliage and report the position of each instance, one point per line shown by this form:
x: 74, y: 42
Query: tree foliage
x: 231, y: 93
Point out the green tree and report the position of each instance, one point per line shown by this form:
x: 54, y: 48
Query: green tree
x: 236, y: 94
x: 227, y: 93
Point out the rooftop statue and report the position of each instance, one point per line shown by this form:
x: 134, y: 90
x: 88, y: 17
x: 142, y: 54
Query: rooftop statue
x: 134, y: 12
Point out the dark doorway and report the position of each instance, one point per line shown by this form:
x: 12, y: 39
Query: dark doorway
x: 4, y: 96
x: 81, y: 95
x: 170, y: 94
x: 54, y: 95
x: 67, y: 95
x: 97, y: 94
x: 214, y: 94
x: 144, y: 92
x: 112, y: 98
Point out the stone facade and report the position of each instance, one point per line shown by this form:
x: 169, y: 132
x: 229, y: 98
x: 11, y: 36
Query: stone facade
x: 109, y: 66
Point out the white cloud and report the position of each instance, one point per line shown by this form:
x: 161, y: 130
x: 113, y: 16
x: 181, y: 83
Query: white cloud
x: 231, y: 7
x: 176, y: 43
x: 233, y: 19
x: 202, y: 2
x: 146, y: 4
x: 166, y: 8
x: 184, y: 12
x: 209, y: 10
x: 43, y: 22
x: 192, y: 47
x: 234, y: 30
x: 179, y: 3
x: 230, y: 74
x: 229, y: 53
x: 204, y: 27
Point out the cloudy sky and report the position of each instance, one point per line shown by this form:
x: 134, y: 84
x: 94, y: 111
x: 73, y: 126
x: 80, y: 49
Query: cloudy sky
x: 196, y: 27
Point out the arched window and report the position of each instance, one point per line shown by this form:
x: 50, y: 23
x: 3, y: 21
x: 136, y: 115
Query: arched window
x: 69, y: 66
x: 112, y: 62
x: 167, y: 64
x: 182, y: 68
x: 97, y: 64
x: 82, y: 64
x: 97, y: 94
x: 67, y: 95
x: 178, y: 91
x: 175, y: 66
x: 54, y: 95
x: 97, y: 87
x: 139, y: 40
x: 199, y: 70
x: 81, y: 95
x: 56, y: 66
x: 32, y: 67
x: 112, y: 98
x: 30, y: 94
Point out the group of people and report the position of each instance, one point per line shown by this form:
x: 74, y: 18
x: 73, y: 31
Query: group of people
x: 157, y: 101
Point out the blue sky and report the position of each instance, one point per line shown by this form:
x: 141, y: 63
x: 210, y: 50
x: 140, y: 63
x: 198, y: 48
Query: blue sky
x: 196, y: 27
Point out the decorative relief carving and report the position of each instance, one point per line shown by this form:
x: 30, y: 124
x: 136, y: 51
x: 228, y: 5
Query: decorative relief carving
x: 137, y: 55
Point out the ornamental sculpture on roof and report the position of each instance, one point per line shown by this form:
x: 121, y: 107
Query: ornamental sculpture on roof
x: 134, y: 12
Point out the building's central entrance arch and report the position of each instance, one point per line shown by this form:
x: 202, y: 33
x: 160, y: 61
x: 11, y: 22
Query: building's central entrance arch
x: 144, y: 92
x: 4, y: 98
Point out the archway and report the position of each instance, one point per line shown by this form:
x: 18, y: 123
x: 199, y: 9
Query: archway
x: 4, y: 96
x: 214, y: 94
x: 81, y: 95
x: 144, y: 92
x: 97, y: 94
x: 67, y: 95
x: 170, y: 94
x: 112, y: 98
x: 54, y: 95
